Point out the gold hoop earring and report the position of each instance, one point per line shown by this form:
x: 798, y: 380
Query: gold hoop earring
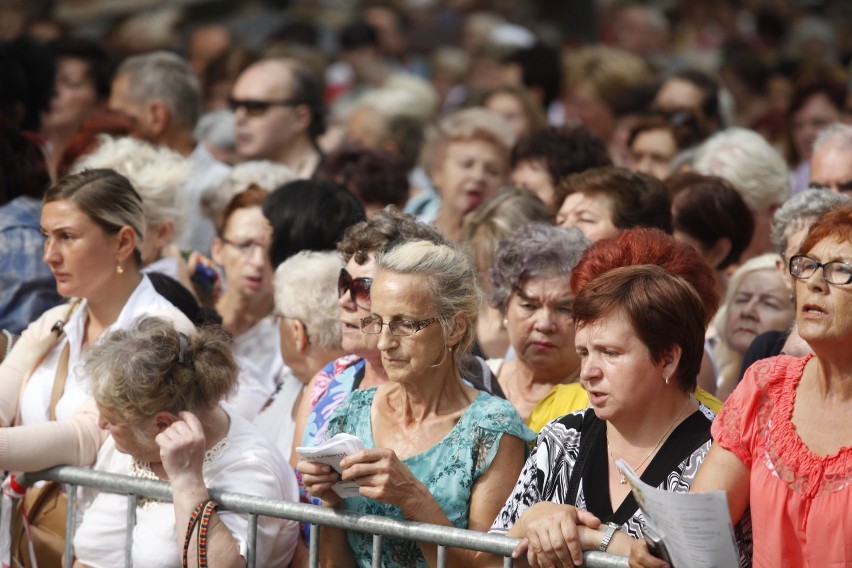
x: 119, y: 269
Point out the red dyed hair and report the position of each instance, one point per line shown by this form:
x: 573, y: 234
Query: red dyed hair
x: 649, y: 246
x: 85, y: 140
x: 834, y: 224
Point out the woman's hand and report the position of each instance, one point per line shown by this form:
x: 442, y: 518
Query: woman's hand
x: 555, y: 535
x: 641, y: 557
x: 381, y: 476
x: 182, y: 449
x: 318, y: 478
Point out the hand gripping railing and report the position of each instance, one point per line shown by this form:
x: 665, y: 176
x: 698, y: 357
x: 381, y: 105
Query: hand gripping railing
x: 254, y: 506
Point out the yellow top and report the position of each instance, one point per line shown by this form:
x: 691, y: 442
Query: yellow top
x: 564, y: 399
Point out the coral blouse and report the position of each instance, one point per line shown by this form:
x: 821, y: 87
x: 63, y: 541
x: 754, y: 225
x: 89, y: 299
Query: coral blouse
x: 801, y: 503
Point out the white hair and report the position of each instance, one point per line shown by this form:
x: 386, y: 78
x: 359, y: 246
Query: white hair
x: 155, y: 172
x: 306, y: 290
x: 838, y: 135
x: 746, y: 159
x: 217, y: 129
x: 264, y: 174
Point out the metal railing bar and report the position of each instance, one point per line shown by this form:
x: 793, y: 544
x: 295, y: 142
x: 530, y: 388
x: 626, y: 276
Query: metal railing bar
x: 442, y: 556
x: 377, y: 551
x: 252, y: 541
x: 70, y: 525
x: 313, y: 551
x: 131, y: 525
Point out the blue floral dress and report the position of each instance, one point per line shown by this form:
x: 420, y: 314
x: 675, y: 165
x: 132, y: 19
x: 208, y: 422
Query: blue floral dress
x: 449, y: 469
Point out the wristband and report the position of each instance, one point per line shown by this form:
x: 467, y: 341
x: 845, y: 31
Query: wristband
x: 610, y: 530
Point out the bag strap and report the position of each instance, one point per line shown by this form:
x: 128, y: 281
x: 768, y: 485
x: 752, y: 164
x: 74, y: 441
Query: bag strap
x: 59, y: 380
x: 591, y: 426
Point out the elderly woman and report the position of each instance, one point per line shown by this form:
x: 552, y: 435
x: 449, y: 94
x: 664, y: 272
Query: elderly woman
x: 484, y: 230
x: 639, y: 337
x: 362, y: 366
x: 469, y: 162
x: 628, y: 248
x: 783, y: 447
x: 757, y: 301
x: 158, y: 393
x: 531, y: 288
x: 309, y: 327
x: 602, y: 201
x: 437, y: 450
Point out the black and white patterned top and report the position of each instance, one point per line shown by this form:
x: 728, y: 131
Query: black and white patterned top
x: 547, y: 472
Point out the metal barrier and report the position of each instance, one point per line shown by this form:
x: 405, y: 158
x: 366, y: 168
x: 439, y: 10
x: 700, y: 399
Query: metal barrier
x: 318, y: 516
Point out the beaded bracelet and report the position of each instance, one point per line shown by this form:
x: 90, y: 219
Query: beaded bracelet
x: 203, y: 527
x: 193, y: 522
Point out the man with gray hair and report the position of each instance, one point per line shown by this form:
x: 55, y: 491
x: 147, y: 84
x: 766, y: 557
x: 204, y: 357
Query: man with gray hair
x: 831, y: 160
x: 161, y: 96
x: 756, y: 170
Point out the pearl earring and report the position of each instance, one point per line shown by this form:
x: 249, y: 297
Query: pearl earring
x: 119, y: 269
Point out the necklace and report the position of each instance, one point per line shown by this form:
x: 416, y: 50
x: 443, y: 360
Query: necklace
x: 621, y: 478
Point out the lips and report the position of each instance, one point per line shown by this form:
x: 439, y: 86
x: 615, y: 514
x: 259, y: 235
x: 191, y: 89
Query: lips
x: 813, y: 309
x: 597, y: 398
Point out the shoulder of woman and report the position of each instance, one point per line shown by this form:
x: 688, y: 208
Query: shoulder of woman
x: 767, y: 372
x: 495, y: 414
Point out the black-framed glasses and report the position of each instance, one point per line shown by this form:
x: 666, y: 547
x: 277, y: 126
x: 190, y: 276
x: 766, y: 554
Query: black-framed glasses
x: 358, y: 288
x: 258, y: 107
x: 372, y: 325
x: 838, y: 272
x: 245, y: 248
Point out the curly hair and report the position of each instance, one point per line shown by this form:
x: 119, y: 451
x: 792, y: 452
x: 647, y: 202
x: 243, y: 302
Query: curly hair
x: 383, y: 231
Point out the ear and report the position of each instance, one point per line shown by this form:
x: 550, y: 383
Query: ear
x: 303, y: 117
x: 159, y: 117
x: 163, y: 233
x: 126, y: 243
x: 785, y: 274
x: 458, y: 329
x: 164, y: 419
x: 300, y: 335
x: 718, y: 252
x: 671, y: 360
x: 216, y: 250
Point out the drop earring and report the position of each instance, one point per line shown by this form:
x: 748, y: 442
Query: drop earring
x: 119, y: 269
x: 666, y: 378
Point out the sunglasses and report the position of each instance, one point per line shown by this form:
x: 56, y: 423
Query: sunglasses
x: 255, y: 107
x: 359, y: 289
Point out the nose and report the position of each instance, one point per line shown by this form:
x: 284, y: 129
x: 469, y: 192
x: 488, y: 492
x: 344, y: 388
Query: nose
x: 257, y: 254
x: 102, y: 423
x: 386, y: 339
x: 51, y: 255
x: 749, y: 310
x: 545, y: 320
x: 589, y: 369
x: 644, y: 165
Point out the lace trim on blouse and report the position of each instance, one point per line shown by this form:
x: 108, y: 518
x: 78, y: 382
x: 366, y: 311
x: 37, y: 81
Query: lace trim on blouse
x: 143, y: 470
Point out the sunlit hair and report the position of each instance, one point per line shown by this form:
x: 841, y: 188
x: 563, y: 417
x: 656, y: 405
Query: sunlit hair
x: 607, y: 70
x: 258, y: 173
x: 466, y: 125
x: 252, y: 196
x: 156, y: 172
x: 166, y: 77
x: 649, y: 246
x: 835, y: 224
x: 150, y: 367
x: 306, y: 290
x: 450, y: 278
x: 107, y: 198
x: 838, y: 134
x: 750, y: 163
x: 383, y: 231
x: 535, y: 249
x: 664, y: 311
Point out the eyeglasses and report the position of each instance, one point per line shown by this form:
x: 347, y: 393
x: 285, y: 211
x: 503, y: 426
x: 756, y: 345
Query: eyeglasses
x: 256, y: 107
x: 836, y: 272
x: 246, y: 248
x: 401, y: 328
x: 359, y: 289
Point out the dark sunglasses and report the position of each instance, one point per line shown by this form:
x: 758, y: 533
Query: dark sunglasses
x: 359, y: 289
x: 256, y: 107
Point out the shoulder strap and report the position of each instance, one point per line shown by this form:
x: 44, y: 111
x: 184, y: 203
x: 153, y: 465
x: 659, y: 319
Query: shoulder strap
x: 59, y: 380
x: 591, y: 428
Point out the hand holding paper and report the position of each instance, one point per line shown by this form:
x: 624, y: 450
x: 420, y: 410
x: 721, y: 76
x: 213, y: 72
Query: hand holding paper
x: 330, y: 453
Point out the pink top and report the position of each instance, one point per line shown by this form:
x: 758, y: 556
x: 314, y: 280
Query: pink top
x: 801, y: 503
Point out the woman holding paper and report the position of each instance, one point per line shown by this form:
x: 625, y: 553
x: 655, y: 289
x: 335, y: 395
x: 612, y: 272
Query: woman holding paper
x: 437, y: 450
x: 640, y: 338
x: 783, y: 443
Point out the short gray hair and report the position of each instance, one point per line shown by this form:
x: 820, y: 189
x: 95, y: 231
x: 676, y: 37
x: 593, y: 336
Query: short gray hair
x: 837, y: 134
x: 750, y: 163
x: 306, y: 290
x: 156, y: 172
x: 166, y: 77
x: 264, y: 174
x: 802, y: 210
x: 449, y: 275
x: 535, y: 249
x: 151, y: 367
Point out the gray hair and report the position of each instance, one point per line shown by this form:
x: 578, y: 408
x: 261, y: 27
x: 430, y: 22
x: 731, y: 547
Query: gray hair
x: 166, y: 77
x: 217, y: 129
x: 801, y: 210
x: 750, y: 163
x: 535, y: 249
x: 469, y: 124
x: 156, y: 172
x: 264, y: 174
x: 306, y: 290
x: 449, y: 275
x: 837, y: 134
x: 151, y: 367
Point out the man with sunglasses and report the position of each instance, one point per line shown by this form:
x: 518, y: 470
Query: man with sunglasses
x: 278, y: 111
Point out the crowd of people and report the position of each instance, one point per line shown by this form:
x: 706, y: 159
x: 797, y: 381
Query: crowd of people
x: 504, y: 245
